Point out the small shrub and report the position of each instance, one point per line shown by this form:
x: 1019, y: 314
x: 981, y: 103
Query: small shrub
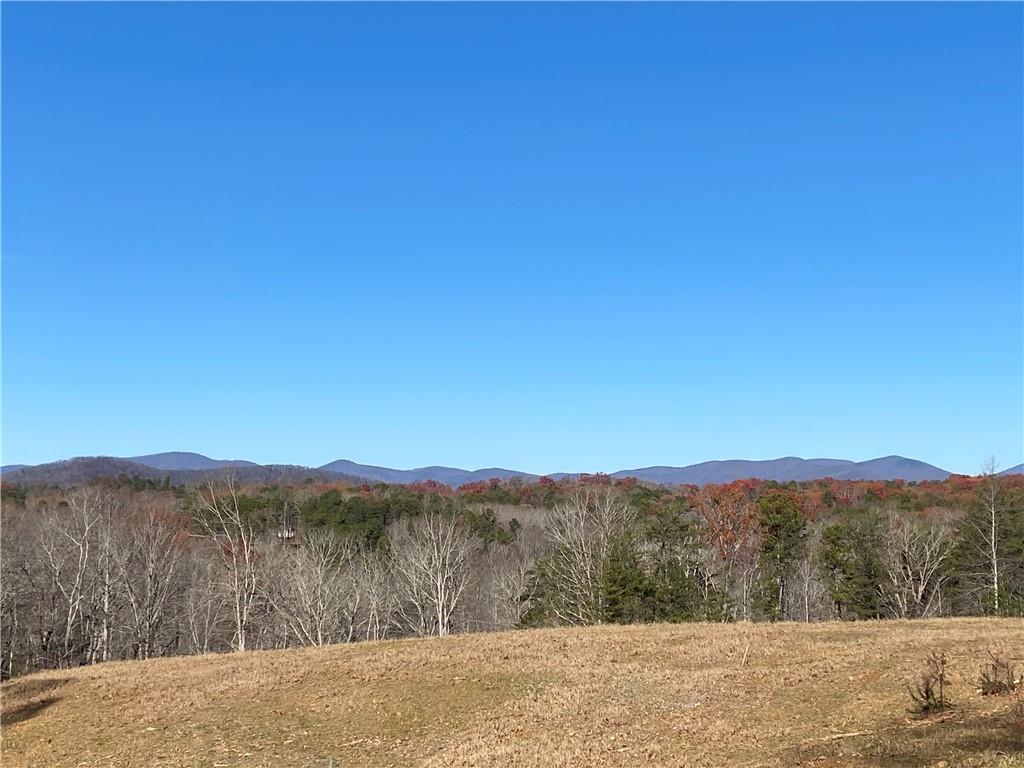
x: 998, y: 676
x: 929, y: 693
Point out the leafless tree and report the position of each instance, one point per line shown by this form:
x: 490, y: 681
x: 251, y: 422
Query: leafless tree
x: 989, y: 531
x: 916, y: 552
x: 207, y: 616
x: 313, y: 589
x: 810, y: 596
x: 150, y: 571
x: 581, y: 530
x: 66, y: 544
x: 234, y: 532
x: 105, y: 587
x: 18, y: 599
x: 512, y: 587
x: 431, y: 565
x: 375, y: 581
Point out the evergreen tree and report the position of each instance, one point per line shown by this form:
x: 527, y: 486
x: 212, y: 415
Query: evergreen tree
x: 783, y: 529
x: 628, y: 594
x: 989, y: 557
x: 682, y: 589
x: 852, y: 566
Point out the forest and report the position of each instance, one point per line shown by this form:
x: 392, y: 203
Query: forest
x: 134, y: 568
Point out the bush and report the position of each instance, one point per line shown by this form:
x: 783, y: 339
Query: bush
x: 929, y: 693
x: 998, y: 676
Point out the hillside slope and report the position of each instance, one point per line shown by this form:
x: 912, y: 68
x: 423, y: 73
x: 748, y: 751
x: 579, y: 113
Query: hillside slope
x: 672, y: 695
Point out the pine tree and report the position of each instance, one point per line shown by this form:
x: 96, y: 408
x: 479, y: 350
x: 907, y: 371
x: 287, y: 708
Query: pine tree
x: 989, y: 558
x: 783, y: 529
x: 628, y: 594
x: 852, y: 567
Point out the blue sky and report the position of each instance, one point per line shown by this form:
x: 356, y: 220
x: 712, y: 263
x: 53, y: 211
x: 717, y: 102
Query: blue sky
x: 548, y: 237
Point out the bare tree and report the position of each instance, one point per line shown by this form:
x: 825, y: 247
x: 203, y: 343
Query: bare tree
x: 375, y: 581
x: 150, y: 570
x: 313, y: 589
x: 66, y: 538
x: 105, y: 592
x: 223, y: 522
x: 916, y: 552
x: 512, y: 588
x: 581, y: 529
x: 19, y: 600
x: 206, y: 613
x: 987, y: 527
x: 431, y: 565
x: 810, y: 598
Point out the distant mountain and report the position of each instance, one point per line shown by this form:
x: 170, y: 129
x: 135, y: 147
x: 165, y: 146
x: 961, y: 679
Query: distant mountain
x: 79, y: 470
x: 789, y: 469
x: 86, y: 468
x: 447, y: 475
x: 264, y: 473
x: 185, y: 460
x: 893, y: 468
x: 184, y: 467
x: 1018, y: 470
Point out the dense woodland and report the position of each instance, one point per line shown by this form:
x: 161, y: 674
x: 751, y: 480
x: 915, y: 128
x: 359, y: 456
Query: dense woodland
x: 136, y: 568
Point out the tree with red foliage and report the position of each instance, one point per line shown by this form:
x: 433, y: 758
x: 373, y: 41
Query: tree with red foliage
x: 729, y: 514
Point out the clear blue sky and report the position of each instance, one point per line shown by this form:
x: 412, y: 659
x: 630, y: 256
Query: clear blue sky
x: 548, y: 237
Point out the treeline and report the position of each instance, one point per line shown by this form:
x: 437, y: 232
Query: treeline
x: 135, y: 569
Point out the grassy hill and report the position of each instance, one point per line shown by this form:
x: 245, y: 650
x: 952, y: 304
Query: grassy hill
x: 675, y: 695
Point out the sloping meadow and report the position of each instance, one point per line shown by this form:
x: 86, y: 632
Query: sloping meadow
x: 830, y: 694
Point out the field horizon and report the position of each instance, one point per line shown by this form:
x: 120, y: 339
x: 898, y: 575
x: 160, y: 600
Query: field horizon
x: 827, y: 694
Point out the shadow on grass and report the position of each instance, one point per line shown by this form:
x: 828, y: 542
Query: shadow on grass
x: 11, y: 715
x: 926, y: 741
x: 29, y: 697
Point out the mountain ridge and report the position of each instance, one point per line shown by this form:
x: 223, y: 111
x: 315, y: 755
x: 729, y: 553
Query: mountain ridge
x: 187, y: 460
x: 184, y: 466
x: 82, y: 469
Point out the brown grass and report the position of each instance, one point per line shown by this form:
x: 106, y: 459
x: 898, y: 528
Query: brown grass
x: 674, y: 695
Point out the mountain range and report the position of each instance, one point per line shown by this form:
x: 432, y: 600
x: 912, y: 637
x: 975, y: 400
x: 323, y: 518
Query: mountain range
x: 185, y: 467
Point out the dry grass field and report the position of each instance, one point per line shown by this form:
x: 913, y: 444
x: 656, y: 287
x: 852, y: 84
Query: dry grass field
x: 674, y: 695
